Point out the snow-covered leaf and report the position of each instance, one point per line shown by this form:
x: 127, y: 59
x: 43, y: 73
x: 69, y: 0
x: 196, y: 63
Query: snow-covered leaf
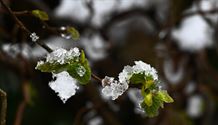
x: 80, y: 71
x: 72, y: 61
x: 137, y: 78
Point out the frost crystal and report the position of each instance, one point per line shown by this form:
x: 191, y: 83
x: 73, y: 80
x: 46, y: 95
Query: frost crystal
x: 113, y: 88
x: 63, y: 56
x: 34, y: 37
x: 64, y: 85
x: 81, y: 71
x: 141, y: 67
x: 126, y: 74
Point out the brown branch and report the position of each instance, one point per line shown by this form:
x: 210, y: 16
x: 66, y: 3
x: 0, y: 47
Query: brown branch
x: 21, y: 25
x: 23, y: 103
x: 19, y: 114
x: 79, y: 115
x: 3, y: 112
x: 96, y: 77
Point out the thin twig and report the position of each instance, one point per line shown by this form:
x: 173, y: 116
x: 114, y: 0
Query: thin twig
x: 3, y: 112
x: 96, y: 77
x: 21, y: 25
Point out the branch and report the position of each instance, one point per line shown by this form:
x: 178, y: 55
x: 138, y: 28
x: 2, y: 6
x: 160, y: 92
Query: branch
x: 23, y: 103
x: 3, y: 100
x: 21, y: 25
x: 204, y: 12
x: 96, y: 77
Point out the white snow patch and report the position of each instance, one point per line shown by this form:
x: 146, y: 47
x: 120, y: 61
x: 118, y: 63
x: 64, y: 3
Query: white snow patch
x: 96, y: 121
x: 95, y: 47
x: 74, y: 9
x: 195, y: 106
x: 64, y: 85
x: 113, y: 88
x: 194, y: 34
x: 137, y: 98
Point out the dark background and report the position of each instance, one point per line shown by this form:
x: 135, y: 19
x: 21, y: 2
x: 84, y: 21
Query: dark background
x: 113, y: 33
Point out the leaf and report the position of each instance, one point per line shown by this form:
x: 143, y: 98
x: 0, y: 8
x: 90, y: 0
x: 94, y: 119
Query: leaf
x: 152, y: 110
x: 72, y: 70
x: 164, y: 96
x: 149, y: 83
x: 148, y: 99
x: 42, y: 15
x: 137, y: 78
x: 82, y: 57
x: 74, y: 33
x: 51, y: 67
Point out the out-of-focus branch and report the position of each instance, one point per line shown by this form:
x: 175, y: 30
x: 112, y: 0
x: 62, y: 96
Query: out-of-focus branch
x: 3, y: 103
x: 96, y: 77
x: 23, y: 103
x: 80, y: 114
x: 204, y: 12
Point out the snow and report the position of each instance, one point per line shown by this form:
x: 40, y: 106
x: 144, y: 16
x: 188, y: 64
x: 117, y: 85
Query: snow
x: 194, y: 34
x: 64, y: 85
x: 195, y: 106
x: 63, y: 56
x: 34, y: 37
x: 13, y: 50
x: 74, y: 9
x: 96, y: 121
x: 77, y: 10
x: 113, y: 88
x: 136, y: 97
x: 125, y: 75
x: 95, y: 46
x: 81, y: 71
x: 141, y: 67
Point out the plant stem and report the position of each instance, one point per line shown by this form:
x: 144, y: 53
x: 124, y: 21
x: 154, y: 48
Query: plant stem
x: 21, y: 25
x: 96, y: 77
x: 3, y: 100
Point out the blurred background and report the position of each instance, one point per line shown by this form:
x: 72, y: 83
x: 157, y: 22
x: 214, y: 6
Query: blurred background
x: 177, y: 37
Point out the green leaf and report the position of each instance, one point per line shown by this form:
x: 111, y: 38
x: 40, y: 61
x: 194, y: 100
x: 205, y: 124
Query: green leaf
x: 149, y: 83
x: 51, y: 67
x: 164, y: 96
x: 148, y: 99
x: 152, y: 110
x: 74, y: 33
x: 137, y: 78
x: 73, y: 71
x: 82, y: 57
x: 42, y: 15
